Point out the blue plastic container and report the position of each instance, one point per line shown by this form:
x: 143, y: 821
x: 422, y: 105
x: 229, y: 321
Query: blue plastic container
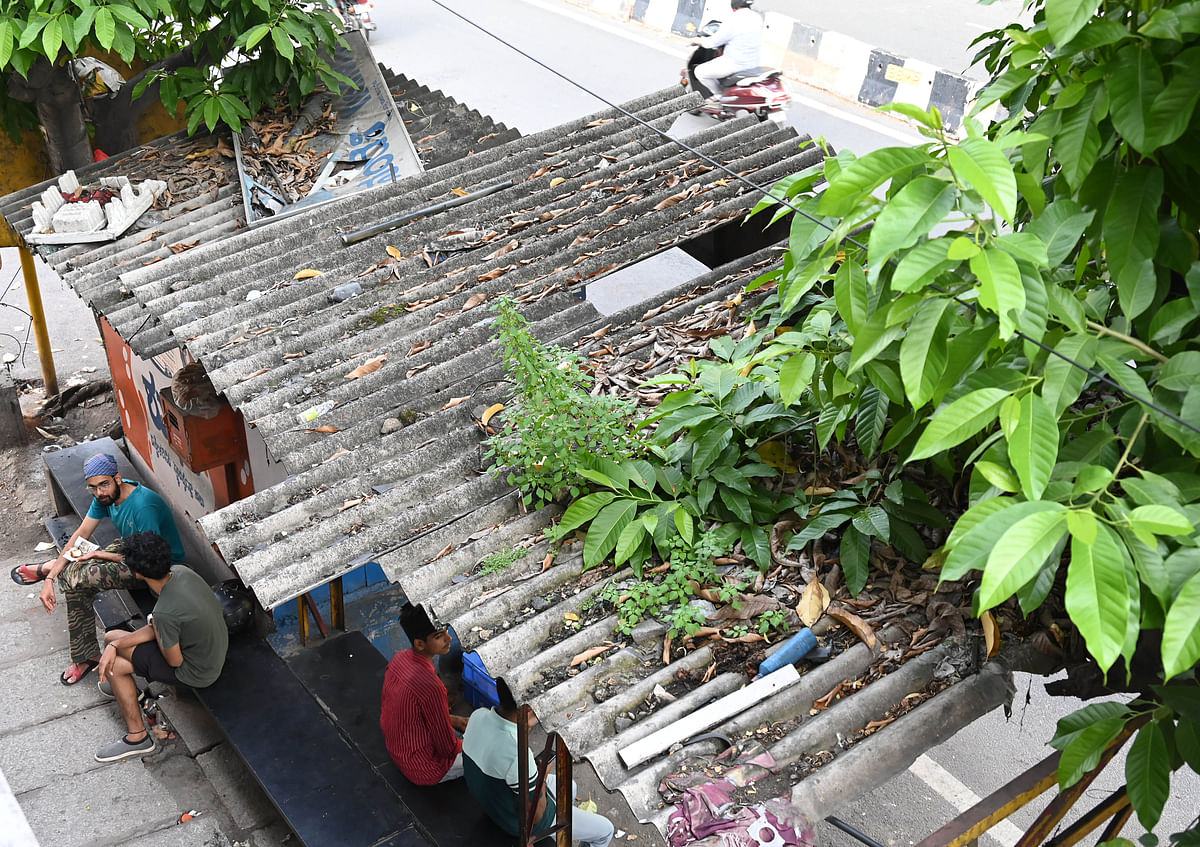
x: 479, y: 688
x: 793, y: 650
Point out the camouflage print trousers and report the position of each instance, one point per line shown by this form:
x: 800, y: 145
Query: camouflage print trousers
x: 80, y: 583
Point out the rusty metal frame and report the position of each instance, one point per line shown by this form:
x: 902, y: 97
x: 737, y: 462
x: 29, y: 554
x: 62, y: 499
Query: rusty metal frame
x: 337, y: 605
x: 966, y: 828
x: 555, y: 752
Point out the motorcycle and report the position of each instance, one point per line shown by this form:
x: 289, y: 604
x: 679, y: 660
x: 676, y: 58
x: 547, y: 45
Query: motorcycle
x: 357, y: 15
x: 755, y: 91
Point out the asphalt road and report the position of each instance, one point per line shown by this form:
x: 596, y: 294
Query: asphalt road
x: 428, y: 43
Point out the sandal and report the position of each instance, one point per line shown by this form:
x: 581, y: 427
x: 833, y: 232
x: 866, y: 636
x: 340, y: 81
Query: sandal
x: 88, y: 666
x: 20, y: 579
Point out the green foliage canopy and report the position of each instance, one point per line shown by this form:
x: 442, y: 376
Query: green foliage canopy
x: 225, y: 59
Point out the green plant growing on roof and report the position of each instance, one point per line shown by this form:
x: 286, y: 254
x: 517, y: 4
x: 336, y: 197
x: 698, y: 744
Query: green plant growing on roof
x: 552, y: 427
x: 500, y: 559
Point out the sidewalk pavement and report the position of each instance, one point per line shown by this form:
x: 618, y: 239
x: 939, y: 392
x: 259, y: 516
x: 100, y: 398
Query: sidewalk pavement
x: 63, y: 797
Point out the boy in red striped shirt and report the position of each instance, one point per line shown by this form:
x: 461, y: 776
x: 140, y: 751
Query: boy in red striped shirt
x: 423, y: 738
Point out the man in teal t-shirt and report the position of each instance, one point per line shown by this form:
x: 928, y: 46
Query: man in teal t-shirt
x: 132, y: 507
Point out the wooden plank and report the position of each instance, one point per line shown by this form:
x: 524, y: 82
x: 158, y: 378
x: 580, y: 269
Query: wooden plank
x: 708, y: 716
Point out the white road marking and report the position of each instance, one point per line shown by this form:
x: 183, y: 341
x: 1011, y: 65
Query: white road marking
x: 959, y: 796
x: 858, y: 120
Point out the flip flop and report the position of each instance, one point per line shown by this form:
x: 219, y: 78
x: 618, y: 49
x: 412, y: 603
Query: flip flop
x: 19, y: 578
x: 88, y: 666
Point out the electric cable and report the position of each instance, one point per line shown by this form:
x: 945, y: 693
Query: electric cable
x: 1104, y: 378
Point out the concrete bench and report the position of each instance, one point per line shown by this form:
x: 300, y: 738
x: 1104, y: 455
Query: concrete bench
x: 345, y: 674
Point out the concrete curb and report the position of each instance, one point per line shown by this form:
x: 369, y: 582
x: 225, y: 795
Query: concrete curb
x: 839, y: 64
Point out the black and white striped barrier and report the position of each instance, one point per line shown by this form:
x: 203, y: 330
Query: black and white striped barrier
x: 827, y: 60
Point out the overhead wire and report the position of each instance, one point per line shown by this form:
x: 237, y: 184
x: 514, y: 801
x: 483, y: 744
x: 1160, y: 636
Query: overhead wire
x: 1101, y: 377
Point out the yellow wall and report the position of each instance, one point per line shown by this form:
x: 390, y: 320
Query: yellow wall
x: 24, y: 164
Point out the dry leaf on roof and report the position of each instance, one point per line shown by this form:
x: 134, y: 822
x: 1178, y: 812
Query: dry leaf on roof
x: 350, y: 504
x: 454, y: 401
x: 475, y: 300
x: 394, y: 252
x: 200, y: 154
x: 152, y: 261
x: 326, y: 428
x: 367, y: 367
x: 857, y: 625
x: 507, y: 248
x: 307, y: 273
x: 181, y: 246
x: 540, y: 172
x: 444, y: 552
x: 582, y: 239
x: 458, y: 192
x: 557, y: 181
x: 414, y: 371
x: 495, y: 274
x: 814, y: 600
x: 991, y: 633
x: 300, y: 355
x: 671, y: 201
x: 420, y: 347
x: 591, y: 653
x: 601, y: 122
x: 338, y: 453
x: 748, y: 607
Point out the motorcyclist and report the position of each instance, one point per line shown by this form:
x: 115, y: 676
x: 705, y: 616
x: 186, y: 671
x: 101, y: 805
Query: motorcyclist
x: 741, y: 36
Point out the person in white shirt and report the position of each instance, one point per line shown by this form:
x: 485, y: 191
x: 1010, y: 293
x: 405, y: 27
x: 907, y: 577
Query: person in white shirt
x: 741, y: 36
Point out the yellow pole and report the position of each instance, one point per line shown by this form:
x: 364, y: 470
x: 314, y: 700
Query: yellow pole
x: 9, y: 237
x: 38, y: 314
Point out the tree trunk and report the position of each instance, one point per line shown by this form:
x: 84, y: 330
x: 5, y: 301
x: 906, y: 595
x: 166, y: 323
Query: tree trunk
x: 116, y: 120
x: 56, y: 96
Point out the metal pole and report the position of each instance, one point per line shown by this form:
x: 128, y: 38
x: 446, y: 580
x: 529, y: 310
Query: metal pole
x: 363, y: 234
x: 9, y: 237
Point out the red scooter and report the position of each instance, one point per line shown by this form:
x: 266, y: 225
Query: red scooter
x: 755, y: 91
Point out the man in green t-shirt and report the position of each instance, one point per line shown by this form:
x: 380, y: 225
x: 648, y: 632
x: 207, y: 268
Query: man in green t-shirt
x: 184, y: 640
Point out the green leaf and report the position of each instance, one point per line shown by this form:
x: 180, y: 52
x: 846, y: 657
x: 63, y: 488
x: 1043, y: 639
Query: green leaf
x: 283, y: 43
x: 1131, y: 234
x: 873, y: 520
x: 962, y: 248
x: 851, y: 296
x: 1173, y: 108
x: 1077, y: 143
x: 1135, y: 82
x: 629, y: 540
x: 1148, y: 774
x: 975, y: 535
x: 955, y: 422
x: 710, y: 445
x: 6, y: 43
x: 915, y: 209
x: 756, y: 543
x: 1160, y: 520
x: 128, y: 14
x: 1187, y: 742
x: 52, y: 38
x: 1084, y: 752
x: 256, y: 34
x: 1033, y: 445
x: 606, y: 528
x: 737, y: 503
x: 1020, y: 553
x: 1000, y: 288
x: 921, y: 265
x: 871, y: 419
x: 1098, y: 589
x: 106, y: 28
x: 923, y: 354
x: 862, y: 176
x: 1070, y: 727
x: 872, y: 339
x: 855, y: 553
x: 1065, y: 18
x: 1060, y: 227
x: 32, y: 29
x: 1181, y: 632
x: 1063, y: 381
x: 795, y: 375
x: 1026, y: 246
x: 983, y: 165
x: 583, y: 510
x: 1083, y: 526
x: 817, y: 526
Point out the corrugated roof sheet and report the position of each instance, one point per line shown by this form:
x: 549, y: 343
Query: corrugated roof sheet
x: 589, y: 197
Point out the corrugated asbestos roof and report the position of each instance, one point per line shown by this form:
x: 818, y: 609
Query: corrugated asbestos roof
x: 589, y: 197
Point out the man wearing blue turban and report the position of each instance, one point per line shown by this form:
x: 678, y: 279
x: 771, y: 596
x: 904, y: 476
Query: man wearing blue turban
x: 132, y: 507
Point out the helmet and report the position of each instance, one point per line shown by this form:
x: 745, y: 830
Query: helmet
x: 741, y: 4
x: 237, y: 606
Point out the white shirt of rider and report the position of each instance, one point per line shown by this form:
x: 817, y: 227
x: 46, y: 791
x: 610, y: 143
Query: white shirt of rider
x: 741, y: 36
